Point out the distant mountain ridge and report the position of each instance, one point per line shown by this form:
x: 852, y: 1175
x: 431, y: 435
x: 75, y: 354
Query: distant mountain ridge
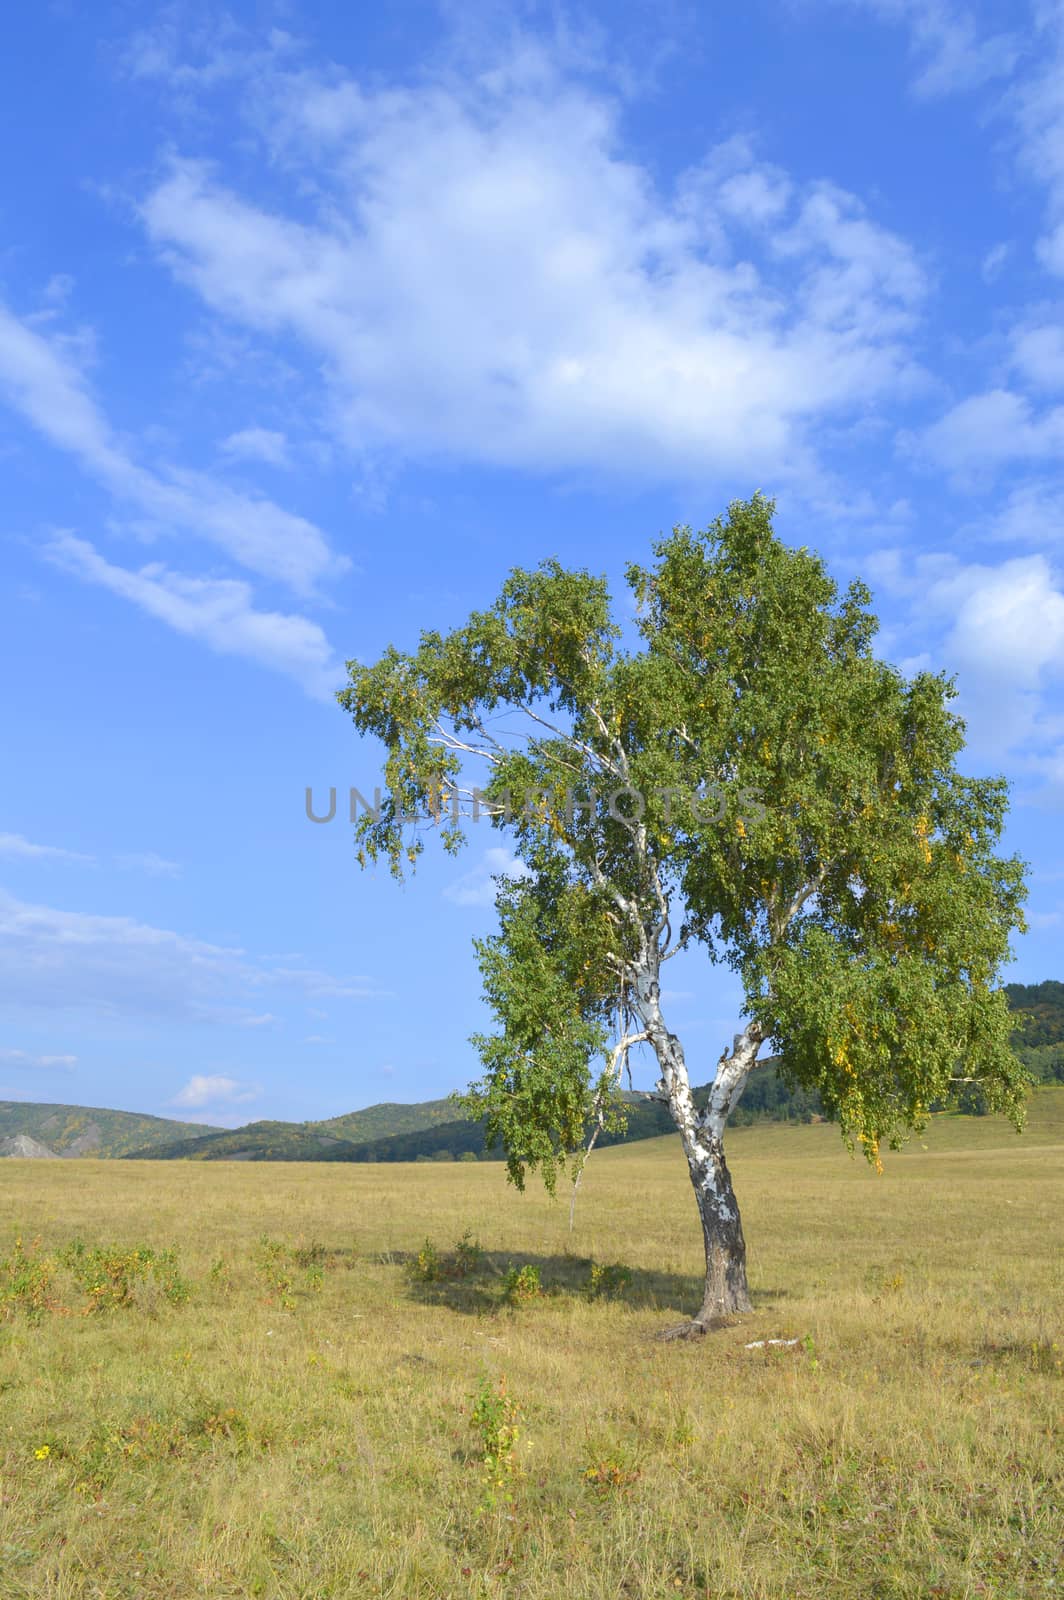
x: 433, y: 1130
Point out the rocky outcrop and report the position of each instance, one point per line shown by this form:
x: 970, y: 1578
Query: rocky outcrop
x: 21, y: 1146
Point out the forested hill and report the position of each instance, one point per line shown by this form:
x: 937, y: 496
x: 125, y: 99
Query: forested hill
x: 1039, y: 1038
x: 432, y: 1130
x: 1042, y: 1008
x: 91, y: 1130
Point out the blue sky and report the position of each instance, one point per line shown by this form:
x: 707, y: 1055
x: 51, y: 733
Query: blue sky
x: 314, y: 320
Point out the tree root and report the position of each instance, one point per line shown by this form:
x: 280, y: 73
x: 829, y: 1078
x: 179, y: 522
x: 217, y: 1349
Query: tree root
x: 697, y: 1328
x: 684, y: 1330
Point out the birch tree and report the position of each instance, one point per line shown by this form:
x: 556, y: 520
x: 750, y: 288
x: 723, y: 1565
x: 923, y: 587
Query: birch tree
x: 743, y: 777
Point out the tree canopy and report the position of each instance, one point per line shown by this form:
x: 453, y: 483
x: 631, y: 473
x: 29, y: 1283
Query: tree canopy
x: 738, y: 772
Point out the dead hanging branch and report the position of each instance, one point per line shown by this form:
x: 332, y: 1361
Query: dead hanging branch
x: 611, y: 1077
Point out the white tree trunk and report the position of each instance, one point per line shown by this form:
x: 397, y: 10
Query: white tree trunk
x: 702, y: 1136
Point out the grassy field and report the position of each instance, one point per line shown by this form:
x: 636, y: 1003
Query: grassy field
x: 283, y: 1408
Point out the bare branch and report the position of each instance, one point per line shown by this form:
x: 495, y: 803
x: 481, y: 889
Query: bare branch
x: 566, y: 737
x: 451, y: 741
x: 618, y: 1061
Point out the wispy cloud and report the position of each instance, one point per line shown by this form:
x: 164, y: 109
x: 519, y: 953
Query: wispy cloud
x: 217, y: 611
x: 1038, y: 107
x: 951, y: 51
x: 478, y: 887
x: 14, y: 847
x: 112, y: 966
x: 29, y: 1058
x: 149, y: 862
x: 991, y: 430
x: 258, y: 444
x: 40, y: 378
x: 1038, y: 352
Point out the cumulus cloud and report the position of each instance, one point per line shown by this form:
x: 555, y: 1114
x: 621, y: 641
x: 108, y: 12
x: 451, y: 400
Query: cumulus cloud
x: 217, y: 611
x: 1001, y: 630
x: 113, y: 966
x: 203, y: 1090
x: 40, y: 379
x: 483, y: 275
x: 478, y: 887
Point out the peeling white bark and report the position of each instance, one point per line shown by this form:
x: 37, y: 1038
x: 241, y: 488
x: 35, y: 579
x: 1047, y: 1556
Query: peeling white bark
x: 702, y: 1137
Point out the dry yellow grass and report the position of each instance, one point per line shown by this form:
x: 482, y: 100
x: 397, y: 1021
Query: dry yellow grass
x: 238, y: 1445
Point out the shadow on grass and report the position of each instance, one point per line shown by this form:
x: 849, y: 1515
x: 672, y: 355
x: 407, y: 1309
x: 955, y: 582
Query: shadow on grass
x: 488, y: 1286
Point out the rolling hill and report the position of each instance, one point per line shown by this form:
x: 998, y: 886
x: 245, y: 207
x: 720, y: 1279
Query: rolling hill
x: 433, y: 1130
x: 90, y: 1130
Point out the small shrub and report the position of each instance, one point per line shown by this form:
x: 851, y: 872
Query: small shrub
x: 109, y: 1274
x: 467, y: 1255
x: 178, y: 1290
x: 521, y: 1284
x: 221, y: 1276
x: 222, y: 1422
x: 495, y: 1417
x: 25, y: 1280
x: 426, y: 1266
x: 610, y: 1475
x: 274, y: 1269
x: 608, y: 1283
x: 429, y: 1266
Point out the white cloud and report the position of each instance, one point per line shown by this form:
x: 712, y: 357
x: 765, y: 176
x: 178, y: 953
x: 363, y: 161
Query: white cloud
x: 1038, y: 353
x: 1038, y: 108
x: 1002, y: 633
x: 1032, y: 513
x: 994, y: 261
x: 204, y: 1090
x: 217, y: 611
x: 488, y: 278
x: 14, y: 847
x: 991, y: 430
x: 949, y: 52
x: 478, y: 886
x: 116, y: 966
x: 41, y: 380
x: 258, y: 444
x: 28, y: 1058
x: 1008, y: 621
x: 148, y: 861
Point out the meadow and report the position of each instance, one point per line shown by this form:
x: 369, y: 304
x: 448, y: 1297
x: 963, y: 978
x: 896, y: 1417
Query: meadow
x: 259, y: 1380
